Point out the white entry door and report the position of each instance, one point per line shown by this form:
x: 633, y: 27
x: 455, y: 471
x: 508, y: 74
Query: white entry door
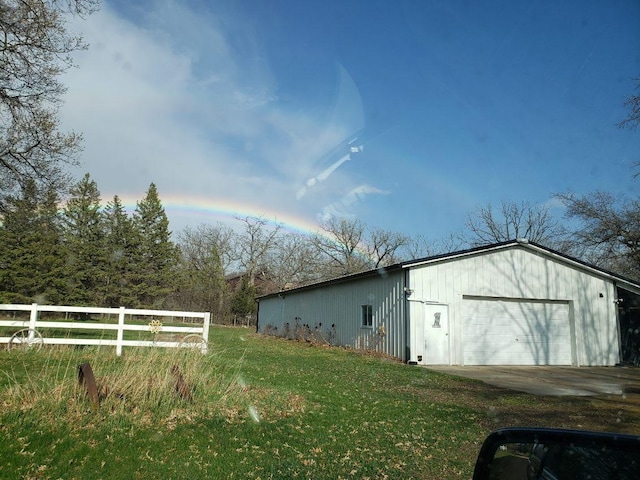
x: 436, y: 334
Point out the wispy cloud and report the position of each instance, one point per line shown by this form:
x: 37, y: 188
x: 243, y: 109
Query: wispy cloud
x: 343, y: 206
x: 168, y: 98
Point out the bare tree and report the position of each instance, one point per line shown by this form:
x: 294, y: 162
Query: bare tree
x: 419, y: 246
x: 384, y: 246
x: 633, y: 104
x: 35, y: 50
x: 514, y: 220
x: 206, y: 254
x: 294, y: 261
x: 349, y: 246
x: 609, y: 234
x: 609, y: 230
x: 341, y: 243
x: 255, y: 244
x: 205, y: 237
x: 633, y: 118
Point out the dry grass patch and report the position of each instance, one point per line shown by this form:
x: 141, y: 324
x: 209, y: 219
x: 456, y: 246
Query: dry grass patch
x: 140, y: 388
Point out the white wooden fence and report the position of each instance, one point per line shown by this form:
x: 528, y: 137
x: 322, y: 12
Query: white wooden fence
x: 197, y: 335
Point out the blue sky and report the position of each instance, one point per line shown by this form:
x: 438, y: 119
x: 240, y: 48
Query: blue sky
x: 405, y: 114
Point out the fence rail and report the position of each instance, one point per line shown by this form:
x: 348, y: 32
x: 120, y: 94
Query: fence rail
x: 34, y: 324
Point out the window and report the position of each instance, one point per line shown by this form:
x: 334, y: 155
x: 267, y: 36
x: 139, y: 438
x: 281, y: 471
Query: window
x: 367, y: 316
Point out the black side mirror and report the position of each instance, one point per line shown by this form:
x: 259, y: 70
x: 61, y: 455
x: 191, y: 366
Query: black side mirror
x: 550, y: 454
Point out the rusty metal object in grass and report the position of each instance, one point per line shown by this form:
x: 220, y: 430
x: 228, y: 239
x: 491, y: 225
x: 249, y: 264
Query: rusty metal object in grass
x: 86, y: 379
x: 181, y: 387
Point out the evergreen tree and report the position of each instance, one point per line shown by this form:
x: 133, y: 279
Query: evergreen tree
x: 51, y: 262
x: 243, y: 303
x: 121, y: 247
x: 31, y: 260
x: 157, y: 255
x: 84, y: 241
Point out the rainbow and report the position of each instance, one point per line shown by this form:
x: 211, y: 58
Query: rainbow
x: 222, y: 209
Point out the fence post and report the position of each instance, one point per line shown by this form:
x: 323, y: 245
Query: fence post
x: 33, y: 318
x: 205, y: 331
x: 120, y: 332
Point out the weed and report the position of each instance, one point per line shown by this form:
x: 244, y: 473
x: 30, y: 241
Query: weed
x: 315, y: 335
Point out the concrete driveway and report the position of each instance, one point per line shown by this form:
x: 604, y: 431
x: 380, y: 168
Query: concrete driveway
x: 577, y: 381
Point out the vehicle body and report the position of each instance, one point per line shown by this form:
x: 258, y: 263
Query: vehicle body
x: 552, y: 454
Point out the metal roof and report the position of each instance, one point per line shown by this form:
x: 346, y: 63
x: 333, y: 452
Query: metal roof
x: 626, y: 283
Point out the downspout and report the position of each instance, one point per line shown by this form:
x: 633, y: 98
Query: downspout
x: 405, y: 306
x: 281, y: 310
x: 258, y: 317
x: 618, y: 326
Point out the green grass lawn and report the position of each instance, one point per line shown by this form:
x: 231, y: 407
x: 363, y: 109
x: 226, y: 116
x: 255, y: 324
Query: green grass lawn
x: 262, y: 408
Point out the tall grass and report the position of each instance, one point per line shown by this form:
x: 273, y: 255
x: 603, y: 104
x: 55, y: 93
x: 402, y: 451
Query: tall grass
x: 138, y: 388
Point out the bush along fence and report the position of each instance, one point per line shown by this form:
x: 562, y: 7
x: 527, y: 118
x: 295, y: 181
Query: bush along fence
x: 34, y: 325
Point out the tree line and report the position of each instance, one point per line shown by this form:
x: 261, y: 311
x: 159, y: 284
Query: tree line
x: 85, y: 254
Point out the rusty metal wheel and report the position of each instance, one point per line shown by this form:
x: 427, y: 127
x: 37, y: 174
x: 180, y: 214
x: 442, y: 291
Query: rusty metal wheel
x: 193, y: 340
x: 26, y: 338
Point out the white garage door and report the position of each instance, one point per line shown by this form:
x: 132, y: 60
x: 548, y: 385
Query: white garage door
x: 516, y: 332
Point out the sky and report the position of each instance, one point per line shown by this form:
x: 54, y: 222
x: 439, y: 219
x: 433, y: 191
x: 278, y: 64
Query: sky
x: 407, y: 115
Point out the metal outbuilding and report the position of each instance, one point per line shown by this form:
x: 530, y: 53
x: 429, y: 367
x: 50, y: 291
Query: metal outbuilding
x: 512, y: 303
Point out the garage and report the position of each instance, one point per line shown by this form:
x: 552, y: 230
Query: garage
x: 510, y: 303
x: 516, y: 332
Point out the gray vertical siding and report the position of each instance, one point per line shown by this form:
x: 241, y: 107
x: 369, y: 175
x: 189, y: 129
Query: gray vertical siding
x: 335, y: 311
x: 522, y: 273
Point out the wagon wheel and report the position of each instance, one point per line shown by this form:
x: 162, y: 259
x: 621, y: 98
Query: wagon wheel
x: 193, y: 340
x: 26, y: 338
